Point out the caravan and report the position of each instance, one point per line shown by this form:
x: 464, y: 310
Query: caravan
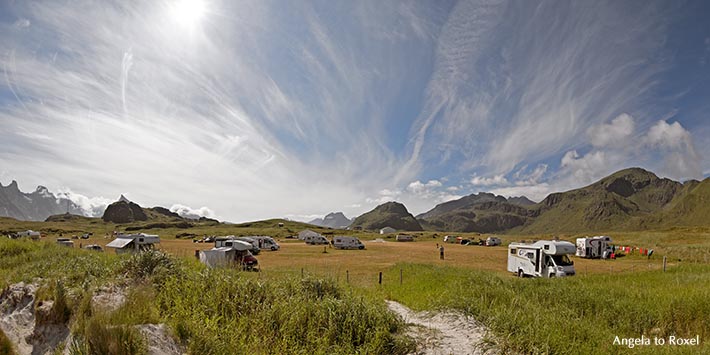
x: 545, y: 258
x: 594, y: 247
x: 343, y: 242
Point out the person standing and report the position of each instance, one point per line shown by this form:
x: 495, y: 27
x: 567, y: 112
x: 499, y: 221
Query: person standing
x: 441, y: 252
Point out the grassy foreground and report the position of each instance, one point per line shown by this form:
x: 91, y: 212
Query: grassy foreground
x: 210, y: 311
x: 576, y: 315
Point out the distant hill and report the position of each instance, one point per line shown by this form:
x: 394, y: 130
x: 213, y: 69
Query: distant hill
x: 628, y: 199
x: 35, y: 206
x: 482, y: 212
x: 390, y: 214
x: 520, y: 201
x: 332, y: 220
x: 613, y: 202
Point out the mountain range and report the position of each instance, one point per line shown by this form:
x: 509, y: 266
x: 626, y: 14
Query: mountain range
x: 332, y: 220
x: 630, y: 199
x: 34, y: 206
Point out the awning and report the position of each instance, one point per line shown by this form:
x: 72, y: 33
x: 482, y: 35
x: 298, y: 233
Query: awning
x: 119, y: 243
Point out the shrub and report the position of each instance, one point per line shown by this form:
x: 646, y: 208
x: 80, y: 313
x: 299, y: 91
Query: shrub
x: 145, y: 264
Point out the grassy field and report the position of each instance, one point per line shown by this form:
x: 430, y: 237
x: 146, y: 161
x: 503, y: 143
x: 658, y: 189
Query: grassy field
x: 628, y: 297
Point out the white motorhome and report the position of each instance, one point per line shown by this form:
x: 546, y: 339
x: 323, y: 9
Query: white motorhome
x: 313, y: 238
x: 594, y: 247
x: 267, y: 243
x: 544, y: 258
x: 134, y: 243
x: 344, y: 242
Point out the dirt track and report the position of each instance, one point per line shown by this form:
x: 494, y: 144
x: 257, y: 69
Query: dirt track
x: 443, y: 333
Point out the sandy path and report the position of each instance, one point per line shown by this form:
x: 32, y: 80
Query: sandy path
x: 442, y: 333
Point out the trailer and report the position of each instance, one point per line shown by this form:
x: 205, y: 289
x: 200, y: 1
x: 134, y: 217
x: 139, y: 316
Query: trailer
x: 594, y: 247
x: 544, y: 258
x: 404, y: 238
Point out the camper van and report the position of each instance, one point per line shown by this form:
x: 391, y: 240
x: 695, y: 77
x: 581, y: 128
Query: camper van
x: 228, y: 241
x: 315, y: 239
x: 544, y: 258
x: 404, y: 238
x: 343, y: 242
x: 594, y: 247
x: 229, y: 251
x: 267, y: 243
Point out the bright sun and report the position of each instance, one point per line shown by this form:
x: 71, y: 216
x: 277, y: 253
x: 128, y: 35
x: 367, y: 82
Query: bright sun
x: 188, y: 12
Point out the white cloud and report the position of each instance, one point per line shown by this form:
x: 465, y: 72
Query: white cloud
x: 612, y: 134
x: 193, y: 213
x: 675, y: 143
x: 90, y: 206
x: 489, y: 181
x: 532, y: 178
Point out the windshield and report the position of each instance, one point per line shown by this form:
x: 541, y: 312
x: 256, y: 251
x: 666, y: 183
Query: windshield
x: 561, y: 260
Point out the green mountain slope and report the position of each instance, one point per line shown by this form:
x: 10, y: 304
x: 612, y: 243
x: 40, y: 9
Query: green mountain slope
x: 390, y: 214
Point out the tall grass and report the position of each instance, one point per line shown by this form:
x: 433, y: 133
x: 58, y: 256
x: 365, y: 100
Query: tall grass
x: 221, y: 312
x: 576, y: 315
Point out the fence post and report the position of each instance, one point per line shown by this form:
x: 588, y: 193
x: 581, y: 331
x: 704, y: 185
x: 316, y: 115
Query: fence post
x: 664, y: 263
x: 301, y: 272
x: 347, y: 276
x: 400, y: 276
x: 380, y: 278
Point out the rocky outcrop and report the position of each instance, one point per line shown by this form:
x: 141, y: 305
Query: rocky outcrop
x: 124, y: 212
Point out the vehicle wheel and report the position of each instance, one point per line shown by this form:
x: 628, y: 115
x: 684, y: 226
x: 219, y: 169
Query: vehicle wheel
x: 521, y: 274
x: 361, y: 247
x: 551, y: 275
x: 273, y: 248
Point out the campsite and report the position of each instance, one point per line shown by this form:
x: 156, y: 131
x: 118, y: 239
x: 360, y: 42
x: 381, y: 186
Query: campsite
x: 413, y: 274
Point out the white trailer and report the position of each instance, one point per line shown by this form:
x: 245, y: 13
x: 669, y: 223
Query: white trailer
x: 544, y: 258
x: 29, y: 233
x: 345, y: 242
x: 594, y: 247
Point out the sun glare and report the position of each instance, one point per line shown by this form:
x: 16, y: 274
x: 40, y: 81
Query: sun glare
x: 188, y: 12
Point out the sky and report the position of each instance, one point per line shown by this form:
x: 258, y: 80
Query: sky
x: 245, y: 110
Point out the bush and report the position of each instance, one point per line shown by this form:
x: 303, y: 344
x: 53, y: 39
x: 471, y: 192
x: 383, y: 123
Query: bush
x: 145, y: 264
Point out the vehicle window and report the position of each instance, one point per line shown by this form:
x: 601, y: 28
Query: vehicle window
x: 513, y: 251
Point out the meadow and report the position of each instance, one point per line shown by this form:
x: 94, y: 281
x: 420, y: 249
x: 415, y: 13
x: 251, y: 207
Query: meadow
x: 316, y: 299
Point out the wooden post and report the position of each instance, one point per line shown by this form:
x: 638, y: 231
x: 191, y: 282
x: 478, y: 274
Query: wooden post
x: 380, y: 278
x: 347, y: 276
x: 400, y: 276
x: 301, y: 272
x: 664, y: 264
